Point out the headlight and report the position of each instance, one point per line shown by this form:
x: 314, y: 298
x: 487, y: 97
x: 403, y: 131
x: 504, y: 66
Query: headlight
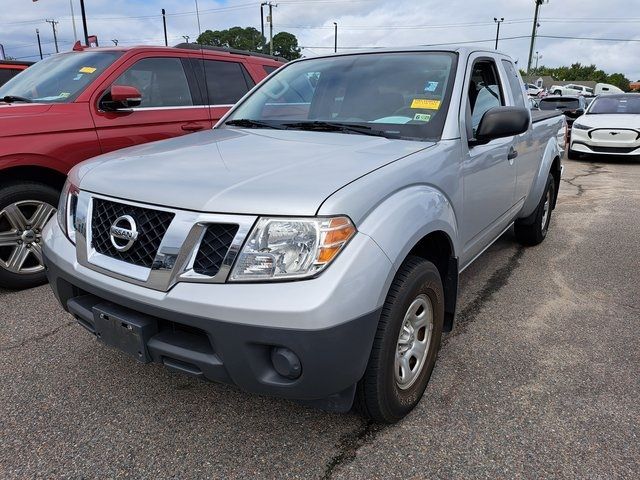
x: 291, y: 248
x: 580, y: 126
x: 67, y: 210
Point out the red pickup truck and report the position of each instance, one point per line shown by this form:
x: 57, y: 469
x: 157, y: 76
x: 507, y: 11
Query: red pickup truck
x: 10, y: 68
x: 76, y: 105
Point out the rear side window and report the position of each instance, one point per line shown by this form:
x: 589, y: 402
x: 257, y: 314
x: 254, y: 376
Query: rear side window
x: 514, y: 83
x: 161, y: 81
x: 7, y: 74
x: 269, y: 69
x: 227, y: 82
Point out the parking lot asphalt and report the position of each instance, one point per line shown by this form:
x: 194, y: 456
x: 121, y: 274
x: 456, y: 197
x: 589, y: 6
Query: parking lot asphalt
x: 539, y: 379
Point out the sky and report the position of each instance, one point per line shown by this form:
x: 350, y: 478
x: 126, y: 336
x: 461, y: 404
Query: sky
x: 362, y: 24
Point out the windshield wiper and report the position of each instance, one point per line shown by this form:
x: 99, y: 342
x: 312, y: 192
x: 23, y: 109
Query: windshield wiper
x: 320, y: 126
x: 248, y: 123
x: 15, y: 98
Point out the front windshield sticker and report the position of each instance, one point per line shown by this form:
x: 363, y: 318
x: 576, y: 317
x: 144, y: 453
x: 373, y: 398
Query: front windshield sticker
x: 65, y: 94
x: 422, y: 117
x: 87, y: 70
x: 425, y: 104
x: 431, y: 86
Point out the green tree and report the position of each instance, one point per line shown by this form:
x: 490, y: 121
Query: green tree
x: 285, y: 45
x: 619, y: 80
x: 248, y: 38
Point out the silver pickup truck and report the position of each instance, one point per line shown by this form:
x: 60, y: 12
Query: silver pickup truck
x: 309, y: 246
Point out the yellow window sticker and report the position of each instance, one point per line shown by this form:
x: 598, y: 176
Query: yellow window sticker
x: 425, y: 104
x: 422, y: 117
x: 87, y: 70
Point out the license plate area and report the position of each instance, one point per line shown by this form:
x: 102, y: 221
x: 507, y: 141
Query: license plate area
x: 124, y: 329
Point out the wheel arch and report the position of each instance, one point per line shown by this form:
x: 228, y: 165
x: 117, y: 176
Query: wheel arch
x: 33, y: 173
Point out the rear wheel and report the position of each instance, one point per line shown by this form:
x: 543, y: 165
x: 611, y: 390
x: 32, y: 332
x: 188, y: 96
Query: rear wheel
x: 533, y: 229
x: 25, y: 208
x: 557, y: 92
x: 406, y: 343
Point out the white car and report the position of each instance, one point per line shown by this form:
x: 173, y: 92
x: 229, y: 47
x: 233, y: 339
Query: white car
x: 533, y: 90
x: 571, y: 89
x: 610, y: 126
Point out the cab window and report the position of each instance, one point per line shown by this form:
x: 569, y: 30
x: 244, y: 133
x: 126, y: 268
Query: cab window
x: 484, y: 91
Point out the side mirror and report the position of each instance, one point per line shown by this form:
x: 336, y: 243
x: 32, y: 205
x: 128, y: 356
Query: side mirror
x: 500, y: 122
x: 579, y: 111
x: 121, y: 97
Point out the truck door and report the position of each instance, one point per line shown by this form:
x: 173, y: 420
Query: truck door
x: 489, y: 175
x: 170, y: 105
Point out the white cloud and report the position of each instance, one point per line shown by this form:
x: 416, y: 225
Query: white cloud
x: 361, y: 23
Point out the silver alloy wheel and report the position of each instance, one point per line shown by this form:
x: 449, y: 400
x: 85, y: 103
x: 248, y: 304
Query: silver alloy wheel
x: 21, y: 225
x: 413, y: 341
x: 546, y: 208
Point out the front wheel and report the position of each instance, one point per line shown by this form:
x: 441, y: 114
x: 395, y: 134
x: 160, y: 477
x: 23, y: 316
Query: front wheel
x: 406, y: 344
x: 25, y: 208
x: 533, y: 229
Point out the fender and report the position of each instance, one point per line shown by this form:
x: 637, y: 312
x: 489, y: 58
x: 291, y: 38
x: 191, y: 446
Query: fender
x: 399, y: 222
x: 33, y: 160
x: 551, y: 152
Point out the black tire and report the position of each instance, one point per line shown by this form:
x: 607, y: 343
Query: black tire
x: 378, y: 395
x: 557, y: 92
x: 532, y: 230
x: 19, y: 192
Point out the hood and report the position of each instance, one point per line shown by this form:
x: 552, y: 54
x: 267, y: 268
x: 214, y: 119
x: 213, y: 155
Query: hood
x: 20, y: 109
x: 611, y: 120
x: 21, y: 119
x: 262, y: 172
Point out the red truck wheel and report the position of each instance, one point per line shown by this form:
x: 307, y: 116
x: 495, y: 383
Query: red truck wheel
x: 25, y: 208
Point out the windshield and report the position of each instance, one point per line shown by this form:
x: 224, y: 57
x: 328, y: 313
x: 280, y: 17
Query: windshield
x: 611, y: 104
x: 559, y: 104
x: 59, y: 78
x: 392, y: 94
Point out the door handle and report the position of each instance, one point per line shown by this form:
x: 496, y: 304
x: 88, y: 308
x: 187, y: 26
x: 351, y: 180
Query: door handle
x: 191, y: 127
x: 513, y: 153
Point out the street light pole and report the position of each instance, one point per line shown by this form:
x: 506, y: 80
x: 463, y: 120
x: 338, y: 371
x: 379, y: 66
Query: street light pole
x: 164, y: 25
x: 73, y: 21
x: 262, y: 17
x: 39, y: 44
x: 84, y: 23
x: 498, y: 30
x: 335, y: 36
x: 271, y: 28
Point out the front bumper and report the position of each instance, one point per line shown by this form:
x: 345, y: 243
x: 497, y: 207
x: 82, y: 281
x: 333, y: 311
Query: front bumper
x: 228, y: 332
x: 606, y: 141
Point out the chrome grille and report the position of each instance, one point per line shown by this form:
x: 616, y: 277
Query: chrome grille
x: 151, y: 225
x: 213, y: 248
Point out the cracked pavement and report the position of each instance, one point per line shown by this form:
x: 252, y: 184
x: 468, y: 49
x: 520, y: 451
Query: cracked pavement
x: 539, y: 379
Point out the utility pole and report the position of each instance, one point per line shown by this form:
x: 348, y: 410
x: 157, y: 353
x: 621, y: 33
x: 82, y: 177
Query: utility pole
x: 270, y: 20
x: 55, y: 36
x: 39, y: 44
x: 498, y: 30
x: 73, y: 22
x: 164, y: 25
x: 533, y: 33
x: 335, y: 38
x: 84, y: 23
